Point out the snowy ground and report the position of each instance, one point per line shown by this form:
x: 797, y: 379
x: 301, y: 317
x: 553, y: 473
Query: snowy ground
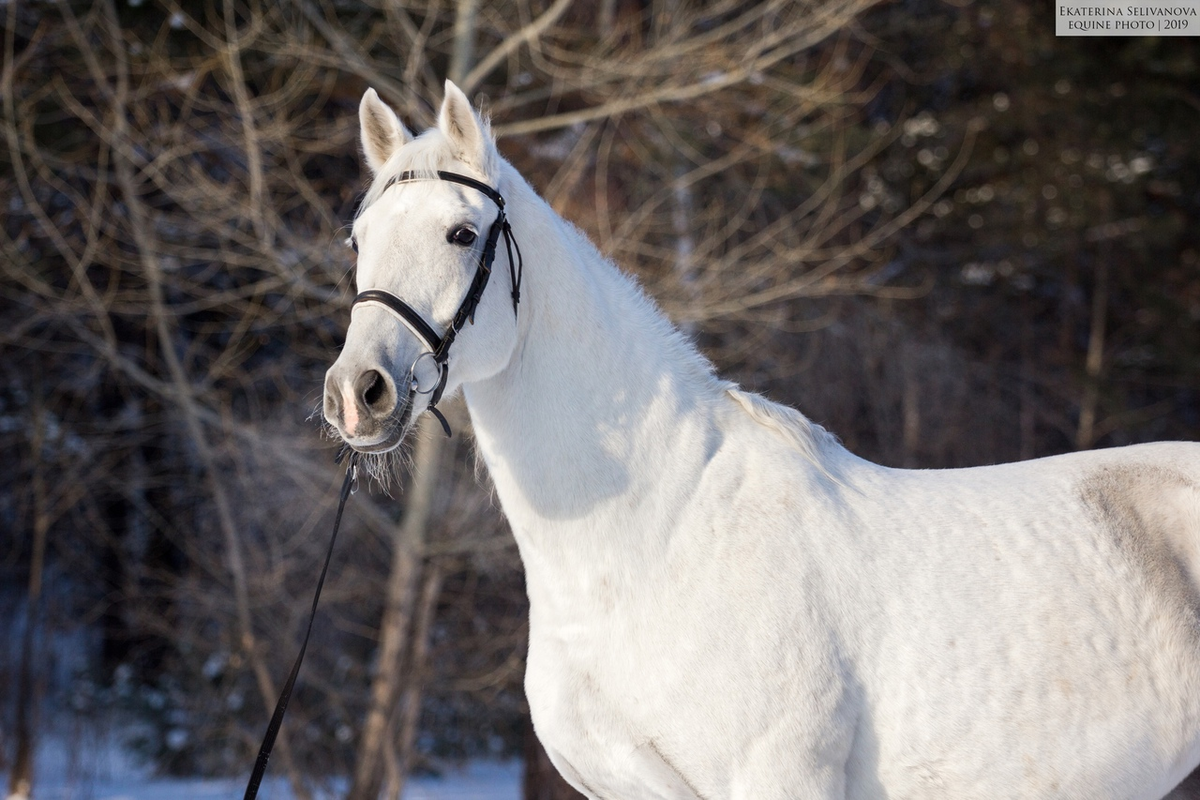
x: 99, y: 772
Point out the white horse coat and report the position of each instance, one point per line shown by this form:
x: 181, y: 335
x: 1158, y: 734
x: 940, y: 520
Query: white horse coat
x: 724, y: 602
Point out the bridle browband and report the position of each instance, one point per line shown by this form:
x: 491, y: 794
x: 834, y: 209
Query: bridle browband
x: 439, y: 346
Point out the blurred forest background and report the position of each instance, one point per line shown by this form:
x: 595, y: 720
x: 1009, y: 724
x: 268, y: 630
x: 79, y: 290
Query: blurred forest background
x: 938, y: 230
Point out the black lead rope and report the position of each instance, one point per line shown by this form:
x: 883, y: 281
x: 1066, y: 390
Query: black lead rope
x: 264, y: 752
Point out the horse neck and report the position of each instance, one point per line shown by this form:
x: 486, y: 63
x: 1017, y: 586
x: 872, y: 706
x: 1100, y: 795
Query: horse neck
x: 596, y: 431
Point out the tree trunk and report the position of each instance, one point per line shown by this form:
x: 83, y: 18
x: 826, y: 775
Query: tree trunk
x: 462, y: 56
x: 20, y: 780
x: 398, y: 609
x: 407, y: 717
x: 1085, y: 435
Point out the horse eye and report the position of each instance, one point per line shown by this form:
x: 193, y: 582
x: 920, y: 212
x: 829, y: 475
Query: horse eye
x: 353, y: 243
x: 463, y: 236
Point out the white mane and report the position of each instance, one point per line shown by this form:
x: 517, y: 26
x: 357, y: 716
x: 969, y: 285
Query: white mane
x: 424, y: 155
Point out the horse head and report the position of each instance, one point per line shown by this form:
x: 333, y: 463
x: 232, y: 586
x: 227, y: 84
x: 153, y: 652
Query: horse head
x: 425, y: 234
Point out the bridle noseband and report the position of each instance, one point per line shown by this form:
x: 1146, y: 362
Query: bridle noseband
x: 439, y: 346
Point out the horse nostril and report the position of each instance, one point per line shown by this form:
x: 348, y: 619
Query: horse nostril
x: 375, y: 390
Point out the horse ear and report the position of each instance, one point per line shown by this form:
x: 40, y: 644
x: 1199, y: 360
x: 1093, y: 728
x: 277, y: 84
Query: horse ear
x: 463, y: 127
x: 381, y: 131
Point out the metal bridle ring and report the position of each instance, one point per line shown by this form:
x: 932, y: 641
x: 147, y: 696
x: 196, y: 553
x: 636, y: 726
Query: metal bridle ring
x: 412, y: 374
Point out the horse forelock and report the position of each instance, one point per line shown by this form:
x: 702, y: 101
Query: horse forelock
x: 424, y: 156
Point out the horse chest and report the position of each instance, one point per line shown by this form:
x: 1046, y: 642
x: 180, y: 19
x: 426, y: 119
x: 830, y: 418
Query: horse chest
x: 627, y: 709
x: 615, y: 731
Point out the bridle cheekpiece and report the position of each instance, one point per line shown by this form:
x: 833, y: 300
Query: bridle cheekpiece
x: 439, y: 346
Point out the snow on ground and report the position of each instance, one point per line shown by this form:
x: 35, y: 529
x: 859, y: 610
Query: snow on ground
x: 100, y: 771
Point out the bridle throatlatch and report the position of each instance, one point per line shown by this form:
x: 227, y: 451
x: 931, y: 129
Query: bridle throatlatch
x: 439, y: 346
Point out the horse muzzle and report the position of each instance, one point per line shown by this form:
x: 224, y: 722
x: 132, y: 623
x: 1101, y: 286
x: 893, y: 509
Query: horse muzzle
x: 365, y: 407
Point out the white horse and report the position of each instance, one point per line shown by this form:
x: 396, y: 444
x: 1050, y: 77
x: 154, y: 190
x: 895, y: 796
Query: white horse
x: 724, y: 602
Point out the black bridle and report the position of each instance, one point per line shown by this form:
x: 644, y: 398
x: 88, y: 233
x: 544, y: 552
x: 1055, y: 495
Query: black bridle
x: 439, y: 346
x: 439, y: 351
